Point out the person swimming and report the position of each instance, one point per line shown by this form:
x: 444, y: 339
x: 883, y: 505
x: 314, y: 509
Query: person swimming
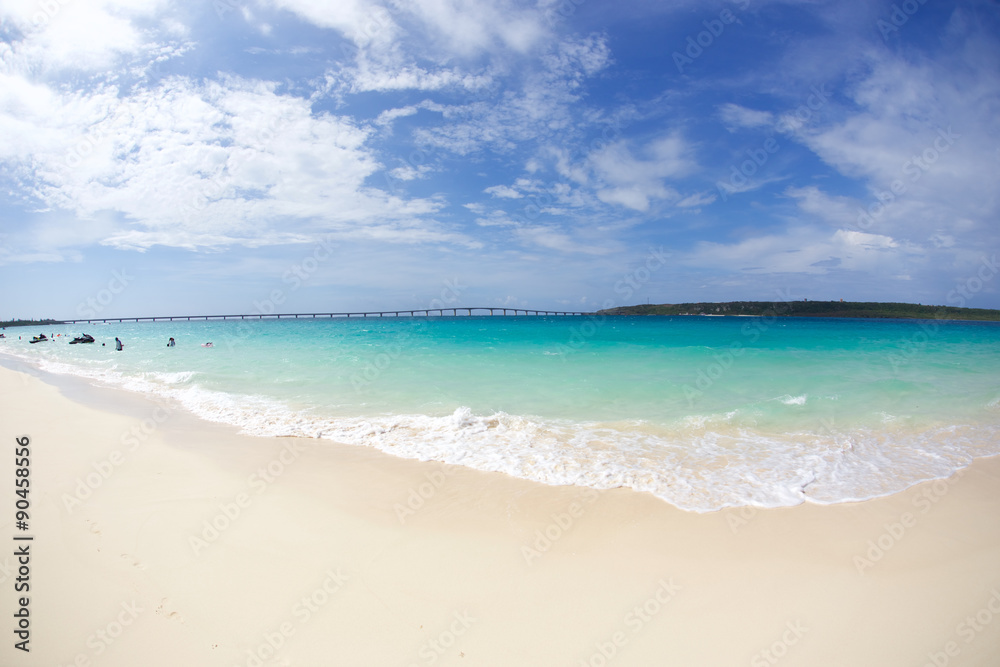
x: 171, y: 343
x: 207, y: 345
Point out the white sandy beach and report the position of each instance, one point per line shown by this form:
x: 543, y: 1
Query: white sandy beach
x: 335, y: 555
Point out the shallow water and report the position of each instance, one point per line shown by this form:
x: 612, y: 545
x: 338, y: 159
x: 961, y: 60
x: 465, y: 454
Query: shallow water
x: 704, y: 412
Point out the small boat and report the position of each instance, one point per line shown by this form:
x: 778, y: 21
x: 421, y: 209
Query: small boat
x: 39, y: 339
x: 85, y: 338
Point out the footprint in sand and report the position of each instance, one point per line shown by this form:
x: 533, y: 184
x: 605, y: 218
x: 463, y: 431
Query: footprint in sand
x: 172, y: 615
x: 133, y: 562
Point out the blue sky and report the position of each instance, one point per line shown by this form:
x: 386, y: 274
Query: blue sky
x: 160, y: 157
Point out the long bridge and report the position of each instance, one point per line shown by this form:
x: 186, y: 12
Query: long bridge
x: 423, y: 312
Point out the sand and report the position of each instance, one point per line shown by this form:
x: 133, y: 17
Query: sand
x: 160, y: 539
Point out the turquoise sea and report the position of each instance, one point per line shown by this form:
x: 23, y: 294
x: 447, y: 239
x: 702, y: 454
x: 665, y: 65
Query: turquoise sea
x: 703, y: 412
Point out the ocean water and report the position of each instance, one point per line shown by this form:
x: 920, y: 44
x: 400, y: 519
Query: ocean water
x: 703, y: 412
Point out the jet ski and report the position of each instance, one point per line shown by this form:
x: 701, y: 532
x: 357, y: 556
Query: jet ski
x: 39, y: 339
x: 85, y: 338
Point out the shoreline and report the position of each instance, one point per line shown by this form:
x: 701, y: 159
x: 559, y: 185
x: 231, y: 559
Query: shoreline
x: 677, y: 484
x: 293, y: 551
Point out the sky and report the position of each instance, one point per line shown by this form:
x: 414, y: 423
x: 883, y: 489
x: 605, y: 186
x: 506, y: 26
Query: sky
x: 169, y: 157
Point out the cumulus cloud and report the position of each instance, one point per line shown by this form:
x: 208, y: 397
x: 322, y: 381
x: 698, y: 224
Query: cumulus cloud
x: 206, y: 165
x: 403, y: 46
x: 367, y: 24
x: 470, y: 27
x: 633, y: 181
x: 59, y: 35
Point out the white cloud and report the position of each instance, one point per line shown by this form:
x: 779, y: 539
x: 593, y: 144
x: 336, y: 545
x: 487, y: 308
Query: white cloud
x: 633, y: 181
x: 388, y: 116
x: 503, y: 191
x: 404, y: 46
x: 188, y: 165
x: 915, y: 142
x: 736, y: 116
x: 580, y: 58
x: 555, y: 239
x: 371, y: 76
x: 544, y: 105
x: 185, y: 164
x: 633, y: 197
x: 365, y: 23
x: 697, y: 199
x: 805, y: 250
x: 839, y: 211
x: 410, y: 173
x: 529, y: 184
x: 494, y: 219
x: 470, y: 27
x: 68, y: 34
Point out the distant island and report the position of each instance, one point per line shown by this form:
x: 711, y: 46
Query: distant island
x: 811, y: 309
x: 27, y: 323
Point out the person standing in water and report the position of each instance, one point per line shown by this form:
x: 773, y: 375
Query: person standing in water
x: 170, y: 343
x: 118, y: 344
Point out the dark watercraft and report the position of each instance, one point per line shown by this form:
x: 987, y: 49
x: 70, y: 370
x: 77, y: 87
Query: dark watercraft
x: 85, y: 338
x: 39, y: 339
